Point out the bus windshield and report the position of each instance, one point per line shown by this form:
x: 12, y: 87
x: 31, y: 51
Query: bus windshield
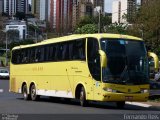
x: 127, y: 62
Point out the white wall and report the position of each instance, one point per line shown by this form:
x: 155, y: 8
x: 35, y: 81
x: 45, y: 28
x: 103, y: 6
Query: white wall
x: 42, y: 9
x: 124, y: 6
x: 20, y: 28
x: 115, y: 11
x: 123, y: 10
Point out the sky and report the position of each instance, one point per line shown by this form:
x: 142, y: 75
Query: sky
x: 108, y: 5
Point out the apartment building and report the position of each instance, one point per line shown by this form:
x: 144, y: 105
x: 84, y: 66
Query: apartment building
x: 1, y: 7
x: 22, y: 6
x: 81, y: 8
x: 60, y: 15
x: 123, y: 11
x: 35, y: 8
x: 10, y: 7
x: 98, y: 3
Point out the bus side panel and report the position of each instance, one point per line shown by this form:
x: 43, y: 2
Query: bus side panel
x: 82, y: 76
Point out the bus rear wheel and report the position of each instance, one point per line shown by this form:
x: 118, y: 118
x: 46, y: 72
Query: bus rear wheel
x: 34, y: 96
x: 26, y: 96
x: 83, y: 101
x: 120, y: 104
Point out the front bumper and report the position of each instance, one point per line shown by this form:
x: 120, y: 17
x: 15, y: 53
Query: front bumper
x: 139, y: 97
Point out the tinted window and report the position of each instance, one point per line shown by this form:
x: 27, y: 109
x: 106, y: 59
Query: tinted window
x: 93, y: 58
x: 64, y: 51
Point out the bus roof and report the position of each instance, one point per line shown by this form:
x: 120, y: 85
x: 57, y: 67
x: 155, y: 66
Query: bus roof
x: 78, y: 36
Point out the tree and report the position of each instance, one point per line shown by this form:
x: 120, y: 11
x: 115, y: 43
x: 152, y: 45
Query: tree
x: 20, y: 15
x: 117, y: 28
x: 85, y: 20
x: 88, y: 22
x: 12, y: 35
x: 17, y: 43
x: 147, y: 24
x: 87, y: 29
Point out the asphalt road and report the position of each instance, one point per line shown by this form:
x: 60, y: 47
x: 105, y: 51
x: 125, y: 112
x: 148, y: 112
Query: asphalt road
x: 14, y: 107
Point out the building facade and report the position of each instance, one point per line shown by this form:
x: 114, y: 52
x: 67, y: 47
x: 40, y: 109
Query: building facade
x: 22, y: 6
x: 11, y: 7
x: 63, y: 15
x: 35, y: 8
x: 1, y: 7
x: 60, y: 15
x: 43, y: 10
x: 98, y: 3
x: 81, y: 8
x: 123, y: 11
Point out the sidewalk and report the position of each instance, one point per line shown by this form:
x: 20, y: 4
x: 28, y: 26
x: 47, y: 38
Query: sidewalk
x: 153, y: 105
x: 157, y: 104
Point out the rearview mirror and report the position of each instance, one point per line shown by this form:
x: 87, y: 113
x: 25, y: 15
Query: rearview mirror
x: 103, y: 58
x: 156, y: 60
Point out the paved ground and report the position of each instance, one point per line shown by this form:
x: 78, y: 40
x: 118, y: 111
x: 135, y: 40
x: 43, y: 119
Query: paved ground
x: 13, y: 106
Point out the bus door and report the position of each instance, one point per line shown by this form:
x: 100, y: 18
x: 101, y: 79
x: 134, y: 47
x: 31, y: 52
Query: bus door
x: 94, y: 66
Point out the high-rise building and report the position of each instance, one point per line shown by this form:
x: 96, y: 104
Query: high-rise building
x: 35, y: 8
x: 57, y: 12
x: 9, y: 7
x: 123, y: 11
x: 43, y: 10
x: 98, y: 3
x: 22, y: 6
x: 1, y: 6
x: 81, y: 8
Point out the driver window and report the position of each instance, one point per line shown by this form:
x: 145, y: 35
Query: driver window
x: 94, y: 58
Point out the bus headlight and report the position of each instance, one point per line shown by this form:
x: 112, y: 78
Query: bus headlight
x: 144, y: 91
x: 109, y: 90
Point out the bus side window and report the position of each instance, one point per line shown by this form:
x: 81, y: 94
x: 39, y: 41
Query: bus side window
x: 75, y: 50
x: 37, y: 54
x: 65, y: 51
x: 42, y: 54
x: 46, y: 53
x: 71, y: 50
x: 32, y: 55
x: 79, y: 50
x: 25, y: 56
x: 52, y: 52
x: 15, y: 56
x: 93, y: 58
x: 58, y: 52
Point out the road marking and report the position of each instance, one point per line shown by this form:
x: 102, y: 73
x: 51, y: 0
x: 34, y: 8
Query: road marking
x: 1, y: 90
x: 139, y: 104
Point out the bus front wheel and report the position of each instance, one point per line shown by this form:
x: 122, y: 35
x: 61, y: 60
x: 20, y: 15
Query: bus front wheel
x: 34, y: 96
x: 83, y: 101
x: 26, y: 96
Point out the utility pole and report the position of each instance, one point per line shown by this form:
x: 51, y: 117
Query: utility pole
x: 5, y: 31
x: 99, y: 18
x: 6, y: 48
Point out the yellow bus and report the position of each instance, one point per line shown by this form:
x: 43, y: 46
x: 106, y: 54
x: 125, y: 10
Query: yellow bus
x: 89, y: 67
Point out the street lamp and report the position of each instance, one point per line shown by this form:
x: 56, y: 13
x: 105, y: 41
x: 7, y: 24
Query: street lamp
x: 98, y: 8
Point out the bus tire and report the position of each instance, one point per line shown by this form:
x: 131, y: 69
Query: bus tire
x: 82, y: 97
x: 34, y: 96
x: 120, y: 104
x: 26, y: 96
